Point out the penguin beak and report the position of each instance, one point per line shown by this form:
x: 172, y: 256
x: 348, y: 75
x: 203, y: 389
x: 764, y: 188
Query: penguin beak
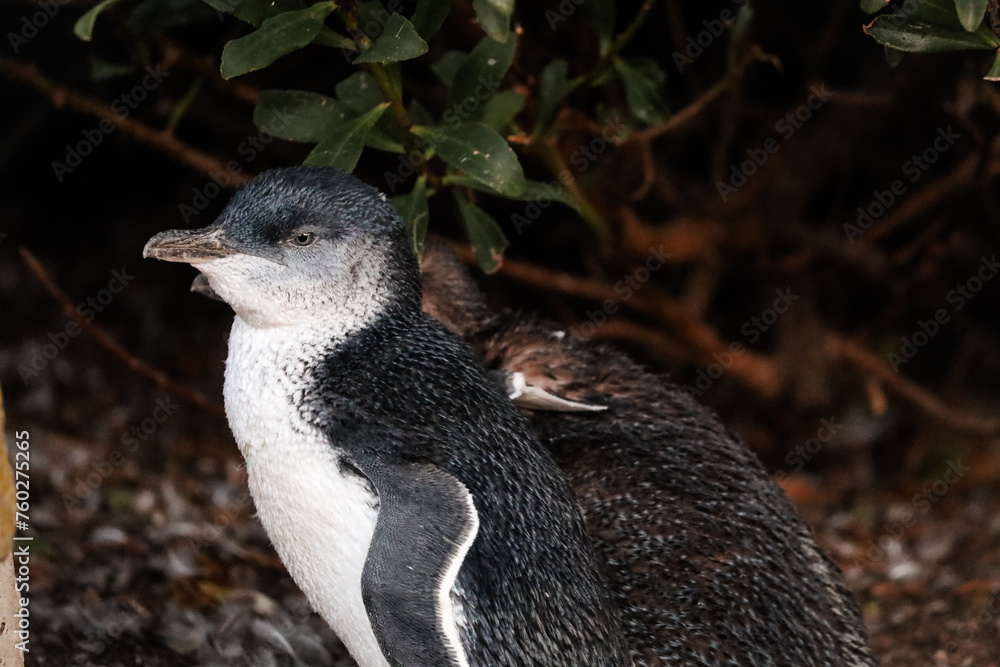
x: 192, y: 246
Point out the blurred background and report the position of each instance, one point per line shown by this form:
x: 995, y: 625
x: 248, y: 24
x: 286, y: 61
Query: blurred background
x: 801, y: 235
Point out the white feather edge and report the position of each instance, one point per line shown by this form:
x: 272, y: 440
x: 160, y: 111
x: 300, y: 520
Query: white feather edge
x: 446, y: 610
x: 525, y: 395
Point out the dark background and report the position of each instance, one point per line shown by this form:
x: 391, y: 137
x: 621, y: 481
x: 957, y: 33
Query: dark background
x: 782, y: 230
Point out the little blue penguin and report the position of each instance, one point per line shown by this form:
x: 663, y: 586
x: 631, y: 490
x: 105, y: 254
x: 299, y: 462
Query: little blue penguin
x: 708, y: 560
x: 406, y: 495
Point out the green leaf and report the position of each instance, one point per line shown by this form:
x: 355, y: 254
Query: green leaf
x: 505, y: 7
x: 447, y: 66
x: 643, y: 80
x: 298, y: 115
x: 553, y: 87
x: 359, y: 93
x: 183, y: 105
x: 480, y: 152
x: 994, y: 73
x: 419, y: 113
x: 541, y: 192
x: 372, y: 17
x: 428, y: 16
x: 740, y: 25
x: 398, y: 41
x: 84, y: 26
x: 277, y: 36
x: 484, y: 233
x: 255, y: 11
x: 971, y: 13
x: 918, y: 37
x: 381, y: 140
x: 533, y: 190
x: 602, y: 17
x: 493, y: 17
x: 893, y: 56
x: 940, y: 13
x: 873, y: 6
x: 500, y: 110
x: 343, y: 147
x: 233, y: 9
x: 154, y: 15
x: 480, y: 75
x: 102, y: 70
x: 650, y: 69
x: 413, y: 209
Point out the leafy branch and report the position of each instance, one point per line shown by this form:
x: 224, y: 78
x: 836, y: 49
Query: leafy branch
x: 472, y: 146
x: 934, y: 26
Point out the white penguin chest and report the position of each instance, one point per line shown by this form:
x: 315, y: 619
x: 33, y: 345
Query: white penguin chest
x: 319, y: 519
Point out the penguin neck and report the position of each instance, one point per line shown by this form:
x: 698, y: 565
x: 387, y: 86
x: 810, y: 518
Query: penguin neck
x: 375, y: 287
x: 347, y: 323
x: 315, y: 339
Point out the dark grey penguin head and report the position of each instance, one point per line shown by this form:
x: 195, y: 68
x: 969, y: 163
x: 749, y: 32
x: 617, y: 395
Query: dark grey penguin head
x: 302, y: 245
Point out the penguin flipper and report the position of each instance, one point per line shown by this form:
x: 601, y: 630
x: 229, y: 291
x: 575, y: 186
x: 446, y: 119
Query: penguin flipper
x: 427, y: 522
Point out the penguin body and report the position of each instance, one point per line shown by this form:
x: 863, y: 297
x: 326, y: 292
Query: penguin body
x: 407, y: 497
x: 319, y: 516
x: 709, y: 562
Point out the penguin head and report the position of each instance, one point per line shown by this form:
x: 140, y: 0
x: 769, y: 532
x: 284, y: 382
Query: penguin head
x: 300, y: 245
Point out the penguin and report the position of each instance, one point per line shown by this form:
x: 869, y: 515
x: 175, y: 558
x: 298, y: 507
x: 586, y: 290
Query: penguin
x: 709, y: 562
x: 404, y: 492
x: 518, y: 390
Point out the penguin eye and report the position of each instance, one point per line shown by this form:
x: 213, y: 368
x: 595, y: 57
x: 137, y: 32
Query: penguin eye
x: 303, y: 239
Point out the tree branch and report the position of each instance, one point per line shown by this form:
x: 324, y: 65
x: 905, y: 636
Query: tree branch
x: 206, y: 67
x: 693, y: 110
x: 838, y: 347
x: 161, y: 140
x: 105, y: 340
x: 756, y: 371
